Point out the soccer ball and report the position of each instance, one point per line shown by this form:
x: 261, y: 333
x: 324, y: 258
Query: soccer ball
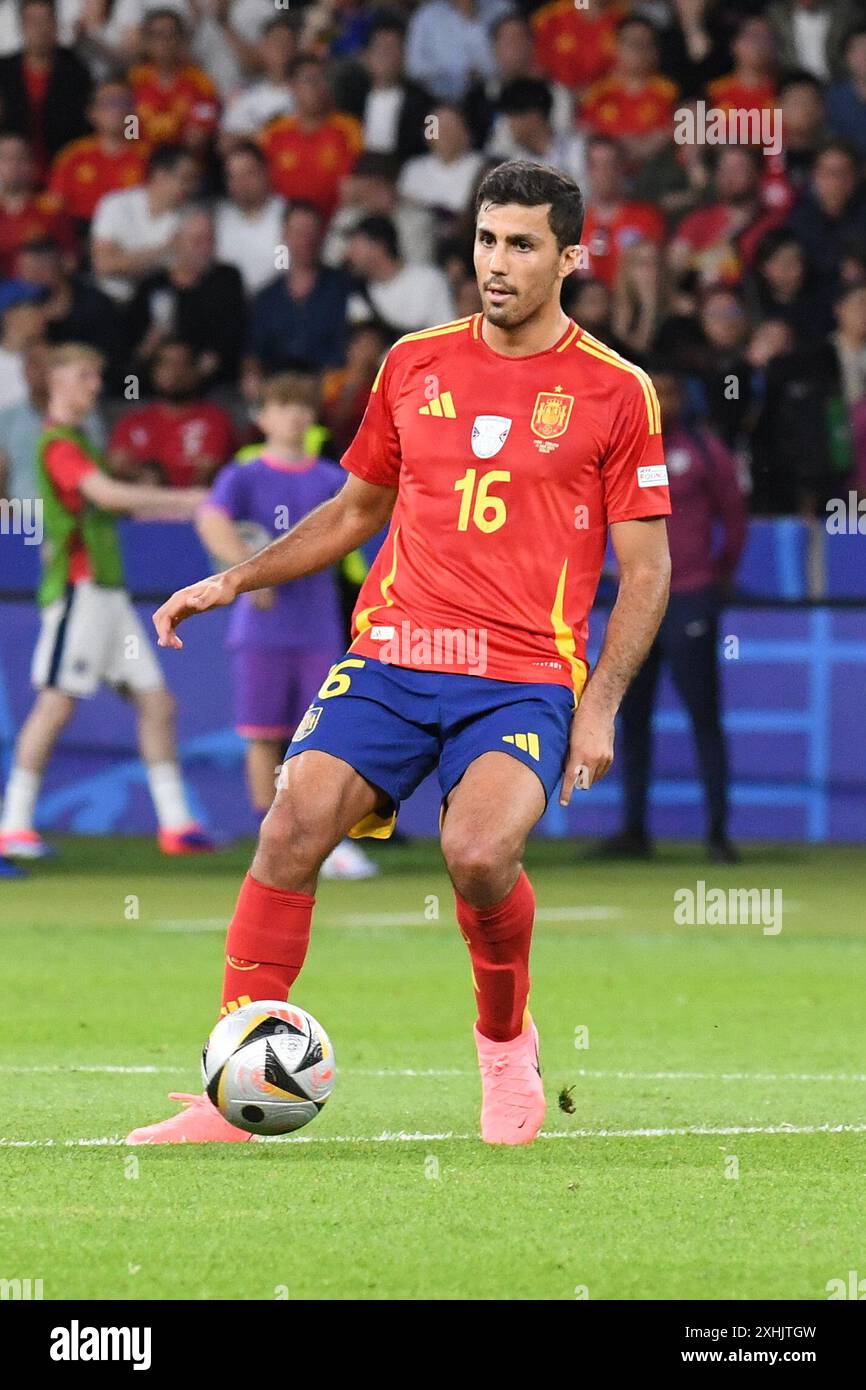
x: 268, y: 1067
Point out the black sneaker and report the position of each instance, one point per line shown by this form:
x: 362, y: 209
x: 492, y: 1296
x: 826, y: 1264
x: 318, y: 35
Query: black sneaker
x: 628, y: 844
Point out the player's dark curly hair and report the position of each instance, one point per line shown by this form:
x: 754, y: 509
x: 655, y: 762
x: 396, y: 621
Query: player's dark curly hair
x: 531, y: 185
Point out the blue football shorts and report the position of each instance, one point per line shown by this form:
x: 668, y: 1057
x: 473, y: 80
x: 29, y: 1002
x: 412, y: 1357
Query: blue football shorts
x: 394, y: 725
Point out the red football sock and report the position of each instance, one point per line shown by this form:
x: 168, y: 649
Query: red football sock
x: 498, y: 938
x: 266, y: 944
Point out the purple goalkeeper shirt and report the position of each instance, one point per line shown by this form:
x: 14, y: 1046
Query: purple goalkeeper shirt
x: 270, y: 496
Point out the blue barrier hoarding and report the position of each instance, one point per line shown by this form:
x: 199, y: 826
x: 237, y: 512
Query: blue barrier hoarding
x: 795, y: 710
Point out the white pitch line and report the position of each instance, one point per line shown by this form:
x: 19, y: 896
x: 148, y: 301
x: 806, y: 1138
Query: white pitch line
x: 584, y: 912
x: 401, y: 1137
x: 384, y: 1073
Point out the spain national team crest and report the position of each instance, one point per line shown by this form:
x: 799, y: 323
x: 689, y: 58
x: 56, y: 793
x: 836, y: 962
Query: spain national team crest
x: 308, y: 723
x: 489, y: 433
x: 551, y: 414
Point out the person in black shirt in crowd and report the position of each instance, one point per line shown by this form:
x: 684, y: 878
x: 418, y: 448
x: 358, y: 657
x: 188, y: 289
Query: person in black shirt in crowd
x: 197, y: 299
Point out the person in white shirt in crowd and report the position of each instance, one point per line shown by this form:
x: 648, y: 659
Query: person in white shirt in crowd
x: 525, y: 130
x: 405, y: 297
x: 445, y: 179
x: 271, y: 94
x: 249, y: 220
x: 373, y: 87
x: 22, y: 323
x: 371, y: 190
x: 448, y: 44
x: 132, y: 232
x: 810, y: 34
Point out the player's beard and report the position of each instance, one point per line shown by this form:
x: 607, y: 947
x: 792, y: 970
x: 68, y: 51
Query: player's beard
x: 515, y: 311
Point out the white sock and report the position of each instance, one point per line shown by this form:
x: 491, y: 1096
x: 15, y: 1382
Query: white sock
x: 19, y: 802
x: 169, y: 798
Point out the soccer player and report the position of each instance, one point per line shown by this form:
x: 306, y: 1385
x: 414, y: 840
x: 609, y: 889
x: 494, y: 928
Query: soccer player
x: 90, y: 632
x: 281, y: 639
x: 502, y: 447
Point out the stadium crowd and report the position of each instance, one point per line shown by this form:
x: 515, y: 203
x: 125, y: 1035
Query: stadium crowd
x: 211, y: 192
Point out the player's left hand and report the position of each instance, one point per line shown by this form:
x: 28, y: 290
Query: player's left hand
x: 590, y: 752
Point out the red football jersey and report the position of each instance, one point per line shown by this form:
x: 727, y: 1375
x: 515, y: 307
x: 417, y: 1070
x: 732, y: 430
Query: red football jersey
x: 730, y: 94
x: 177, y: 438
x: 611, y: 109
x: 166, y: 111
x: 573, y: 46
x: 39, y: 216
x: 83, y: 172
x: 311, y: 164
x: 509, y: 471
x: 607, y: 239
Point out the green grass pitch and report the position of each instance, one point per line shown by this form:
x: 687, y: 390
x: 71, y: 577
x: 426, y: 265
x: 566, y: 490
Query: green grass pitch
x: 716, y: 1147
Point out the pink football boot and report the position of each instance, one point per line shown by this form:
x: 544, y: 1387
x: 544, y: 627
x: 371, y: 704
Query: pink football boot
x: 512, y: 1096
x: 199, y: 1123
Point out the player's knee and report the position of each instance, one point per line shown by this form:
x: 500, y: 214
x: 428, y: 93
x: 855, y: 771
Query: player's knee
x: 293, y: 842
x: 479, y: 864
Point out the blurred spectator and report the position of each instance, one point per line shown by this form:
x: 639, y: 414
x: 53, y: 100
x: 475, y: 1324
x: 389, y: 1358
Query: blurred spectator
x: 222, y: 32
x: 443, y: 180
x: 590, y: 303
x: 858, y: 439
x: 198, y: 299
x: 810, y: 33
x: 577, y: 46
x: 24, y: 213
x: 371, y: 189
x: 178, y: 439
x: 346, y: 390
x: 391, y: 108
x: 706, y: 533
x: 781, y: 288
x: 635, y: 102
x: 176, y: 102
x: 849, y: 341
x: 639, y: 298
x: 404, y: 297
x: 846, y: 99
x: 721, y: 367
x: 44, y: 89
x: 133, y: 232
x: 800, y: 437
x: 310, y: 151
x: 524, y: 130
x: 299, y: 319
x: 22, y: 424
x: 75, y: 310
x: 514, y: 57
x: 448, y: 44
x: 23, y: 324
x: 249, y: 219
x: 612, y: 222
x: 804, y: 127
x: 271, y: 95
x: 86, y: 170
x: 831, y: 211
x: 752, y: 83
x: 718, y: 241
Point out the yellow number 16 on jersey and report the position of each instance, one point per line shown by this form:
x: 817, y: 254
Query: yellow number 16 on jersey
x: 487, y: 513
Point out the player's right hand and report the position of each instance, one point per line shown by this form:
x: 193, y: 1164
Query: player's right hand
x: 214, y: 592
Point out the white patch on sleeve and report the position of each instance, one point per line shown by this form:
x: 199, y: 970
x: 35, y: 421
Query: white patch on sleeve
x: 652, y: 475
